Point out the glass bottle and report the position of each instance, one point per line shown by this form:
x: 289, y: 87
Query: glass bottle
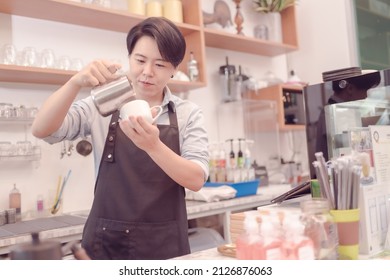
x: 320, y: 227
x: 193, y: 71
x: 15, y: 202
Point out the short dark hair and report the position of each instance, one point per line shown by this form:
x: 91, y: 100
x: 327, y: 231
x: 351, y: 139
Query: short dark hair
x: 170, y: 41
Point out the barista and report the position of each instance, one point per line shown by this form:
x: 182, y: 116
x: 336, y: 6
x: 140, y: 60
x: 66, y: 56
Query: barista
x: 139, y: 209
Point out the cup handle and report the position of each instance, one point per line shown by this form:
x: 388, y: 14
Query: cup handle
x: 158, y: 114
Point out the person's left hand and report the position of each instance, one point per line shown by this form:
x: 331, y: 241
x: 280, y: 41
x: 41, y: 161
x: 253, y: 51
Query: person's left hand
x: 143, y: 134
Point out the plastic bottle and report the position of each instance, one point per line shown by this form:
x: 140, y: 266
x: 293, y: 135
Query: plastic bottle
x: 248, y: 161
x: 296, y: 245
x: 240, y: 155
x: 40, y: 206
x: 232, y: 155
x: 250, y: 239
x: 270, y: 240
x: 213, y: 163
x: 247, y: 155
x: 192, y: 65
x: 231, y: 164
x: 294, y: 79
x: 221, y: 164
x: 15, y: 201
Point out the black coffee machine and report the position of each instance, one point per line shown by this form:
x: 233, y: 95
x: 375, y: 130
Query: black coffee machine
x: 317, y: 96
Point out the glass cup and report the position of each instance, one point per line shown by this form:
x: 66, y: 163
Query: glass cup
x: 63, y: 63
x: 24, y: 148
x: 31, y: 112
x: 5, y: 110
x: 8, y: 54
x: 76, y: 64
x: 29, y: 57
x: 47, y: 58
x: 5, y: 148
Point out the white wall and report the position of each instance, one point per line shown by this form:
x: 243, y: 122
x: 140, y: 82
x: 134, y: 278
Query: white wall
x: 324, y: 45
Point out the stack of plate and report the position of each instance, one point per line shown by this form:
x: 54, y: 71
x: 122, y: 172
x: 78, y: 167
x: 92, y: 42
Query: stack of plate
x: 340, y: 74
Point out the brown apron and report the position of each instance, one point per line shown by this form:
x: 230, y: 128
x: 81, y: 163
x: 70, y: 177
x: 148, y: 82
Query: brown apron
x: 138, y: 211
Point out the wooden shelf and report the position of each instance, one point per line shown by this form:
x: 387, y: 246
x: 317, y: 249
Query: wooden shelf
x: 33, y: 75
x: 80, y: 14
x: 223, y: 40
x: 37, y: 75
x: 197, y: 37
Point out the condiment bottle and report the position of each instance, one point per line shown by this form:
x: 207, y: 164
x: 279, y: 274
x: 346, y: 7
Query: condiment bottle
x: 15, y: 201
x: 40, y: 203
x: 193, y: 70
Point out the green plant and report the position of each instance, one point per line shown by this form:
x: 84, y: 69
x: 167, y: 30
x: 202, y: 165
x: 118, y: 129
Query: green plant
x: 272, y: 6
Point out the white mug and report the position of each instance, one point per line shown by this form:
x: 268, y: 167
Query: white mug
x: 137, y: 108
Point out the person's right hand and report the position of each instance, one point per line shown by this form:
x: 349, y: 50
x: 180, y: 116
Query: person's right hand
x: 96, y: 73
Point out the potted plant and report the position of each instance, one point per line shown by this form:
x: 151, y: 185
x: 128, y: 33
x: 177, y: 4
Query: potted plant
x: 272, y: 6
x: 270, y: 26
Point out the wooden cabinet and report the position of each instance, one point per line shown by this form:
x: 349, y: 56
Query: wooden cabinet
x: 289, y: 104
x: 197, y: 36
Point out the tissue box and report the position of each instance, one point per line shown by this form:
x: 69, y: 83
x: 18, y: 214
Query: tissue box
x: 242, y: 188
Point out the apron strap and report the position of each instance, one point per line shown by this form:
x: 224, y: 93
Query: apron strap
x: 108, y: 153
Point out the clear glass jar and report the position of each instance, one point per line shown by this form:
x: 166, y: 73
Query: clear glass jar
x: 320, y: 227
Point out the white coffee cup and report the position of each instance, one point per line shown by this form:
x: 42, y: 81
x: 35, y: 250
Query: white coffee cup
x: 137, y: 108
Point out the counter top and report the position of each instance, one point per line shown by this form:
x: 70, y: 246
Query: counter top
x: 209, y: 254
x: 69, y: 226
x: 265, y: 194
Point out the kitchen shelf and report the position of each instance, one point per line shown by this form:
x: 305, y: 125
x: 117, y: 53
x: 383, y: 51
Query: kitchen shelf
x: 37, y: 75
x: 223, y: 40
x: 80, y: 14
x: 34, y: 75
x: 25, y: 121
x: 97, y: 17
x: 275, y: 93
x: 32, y: 157
x: 196, y: 35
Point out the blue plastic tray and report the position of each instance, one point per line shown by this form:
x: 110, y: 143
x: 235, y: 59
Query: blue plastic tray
x: 243, y: 188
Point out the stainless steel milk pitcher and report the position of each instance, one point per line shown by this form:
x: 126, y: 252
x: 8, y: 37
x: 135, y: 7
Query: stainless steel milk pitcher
x: 111, y: 96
